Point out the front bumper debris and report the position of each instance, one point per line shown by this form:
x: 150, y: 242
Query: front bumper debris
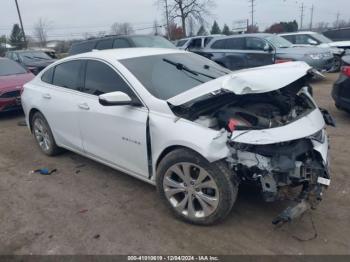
x: 280, y: 169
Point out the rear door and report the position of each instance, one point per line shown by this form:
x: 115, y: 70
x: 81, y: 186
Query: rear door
x: 114, y: 134
x: 258, y: 52
x: 59, y: 94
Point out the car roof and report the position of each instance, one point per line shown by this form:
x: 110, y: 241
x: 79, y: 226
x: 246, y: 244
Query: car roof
x: 299, y: 33
x: 126, y: 53
x: 200, y: 36
x: 112, y: 37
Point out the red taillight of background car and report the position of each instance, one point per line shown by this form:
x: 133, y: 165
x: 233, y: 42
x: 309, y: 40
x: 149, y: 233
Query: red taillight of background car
x: 346, y: 70
x: 280, y: 61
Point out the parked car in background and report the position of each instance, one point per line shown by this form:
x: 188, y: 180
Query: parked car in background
x: 195, y: 43
x: 33, y: 60
x: 341, y: 88
x: 339, y: 34
x: 122, y: 41
x: 12, y: 78
x: 50, y: 52
x: 253, y: 50
x: 309, y: 38
x: 182, y: 122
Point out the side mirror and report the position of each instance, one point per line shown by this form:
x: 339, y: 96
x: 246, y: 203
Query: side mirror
x: 115, y: 99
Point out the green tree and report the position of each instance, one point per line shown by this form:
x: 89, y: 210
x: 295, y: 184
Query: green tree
x: 202, y: 31
x: 2, y: 45
x: 226, y: 30
x: 17, y: 37
x: 215, y: 29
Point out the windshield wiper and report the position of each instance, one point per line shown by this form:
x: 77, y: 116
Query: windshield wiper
x: 181, y: 67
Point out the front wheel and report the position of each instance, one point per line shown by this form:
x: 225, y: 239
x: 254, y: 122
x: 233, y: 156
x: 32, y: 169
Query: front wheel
x: 195, y: 190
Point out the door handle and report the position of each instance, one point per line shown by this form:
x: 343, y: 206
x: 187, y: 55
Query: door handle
x: 84, y: 106
x: 47, y: 96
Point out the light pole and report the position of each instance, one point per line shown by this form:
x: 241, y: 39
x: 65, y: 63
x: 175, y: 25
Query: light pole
x: 167, y: 18
x: 20, y: 20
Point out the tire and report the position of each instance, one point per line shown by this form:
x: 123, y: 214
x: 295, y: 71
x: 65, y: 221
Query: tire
x: 43, y: 135
x: 337, y: 63
x: 204, y: 195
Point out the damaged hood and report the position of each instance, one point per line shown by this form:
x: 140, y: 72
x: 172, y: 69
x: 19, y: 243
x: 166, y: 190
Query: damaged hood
x: 249, y: 81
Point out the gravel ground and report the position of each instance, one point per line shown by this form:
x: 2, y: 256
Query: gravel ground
x: 87, y: 208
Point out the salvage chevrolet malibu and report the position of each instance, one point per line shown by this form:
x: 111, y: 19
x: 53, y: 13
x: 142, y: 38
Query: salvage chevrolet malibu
x: 187, y: 125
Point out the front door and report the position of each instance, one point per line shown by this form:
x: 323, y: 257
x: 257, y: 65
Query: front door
x: 114, y: 134
x: 258, y: 52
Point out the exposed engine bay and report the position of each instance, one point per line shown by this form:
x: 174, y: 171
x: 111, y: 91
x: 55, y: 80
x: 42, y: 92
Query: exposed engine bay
x: 276, y: 168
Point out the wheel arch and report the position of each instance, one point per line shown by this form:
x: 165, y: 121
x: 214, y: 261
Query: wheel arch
x: 30, y: 117
x: 170, y: 149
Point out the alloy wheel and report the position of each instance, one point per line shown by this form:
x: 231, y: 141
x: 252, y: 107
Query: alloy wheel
x: 191, y: 190
x: 42, y: 135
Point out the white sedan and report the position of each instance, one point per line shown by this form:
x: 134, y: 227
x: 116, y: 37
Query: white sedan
x: 185, y: 124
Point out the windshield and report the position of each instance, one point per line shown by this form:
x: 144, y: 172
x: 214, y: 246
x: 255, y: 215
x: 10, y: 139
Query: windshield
x: 278, y: 41
x: 8, y: 67
x: 168, y: 75
x: 322, y: 38
x: 154, y: 41
x: 33, y: 55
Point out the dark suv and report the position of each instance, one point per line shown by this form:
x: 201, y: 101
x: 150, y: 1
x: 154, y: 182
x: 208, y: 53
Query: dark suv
x: 253, y: 50
x: 125, y: 41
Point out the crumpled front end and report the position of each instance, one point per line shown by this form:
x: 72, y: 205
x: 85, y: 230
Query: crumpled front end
x: 279, y: 167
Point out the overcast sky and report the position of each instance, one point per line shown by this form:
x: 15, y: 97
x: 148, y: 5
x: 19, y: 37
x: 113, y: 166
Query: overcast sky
x: 71, y: 18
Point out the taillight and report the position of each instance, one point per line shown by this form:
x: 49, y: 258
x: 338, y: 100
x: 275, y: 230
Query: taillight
x: 280, y: 61
x: 346, y: 70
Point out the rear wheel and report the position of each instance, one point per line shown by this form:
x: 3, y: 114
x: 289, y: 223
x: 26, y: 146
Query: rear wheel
x: 43, y: 135
x: 195, y: 190
x: 337, y: 63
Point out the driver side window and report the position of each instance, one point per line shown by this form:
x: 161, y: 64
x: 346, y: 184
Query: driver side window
x: 101, y: 79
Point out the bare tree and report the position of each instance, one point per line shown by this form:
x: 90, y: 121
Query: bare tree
x: 122, y: 29
x: 184, y: 9
x: 40, y: 31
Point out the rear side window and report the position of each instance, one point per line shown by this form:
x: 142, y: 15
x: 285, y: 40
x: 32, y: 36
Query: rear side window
x: 68, y: 75
x: 235, y: 43
x: 104, y: 44
x: 48, y: 75
x: 219, y: 44
x: 101, y: 79
x: 82, y: 47
x: 121, y: 43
